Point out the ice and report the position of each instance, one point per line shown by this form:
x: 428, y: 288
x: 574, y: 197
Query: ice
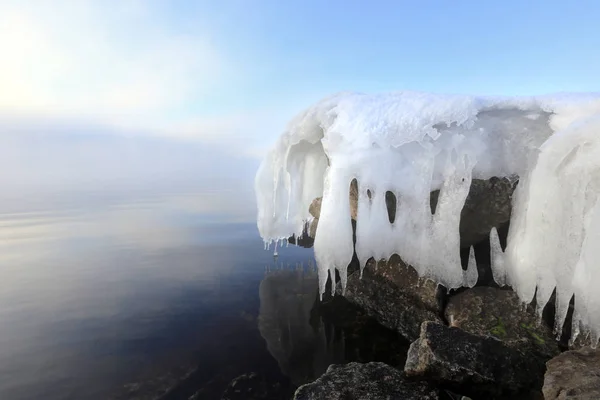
x: 411, y: 143
x: 554, y: 237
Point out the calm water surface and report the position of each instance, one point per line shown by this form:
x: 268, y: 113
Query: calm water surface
x: 155, y: 297
x: 123, y: 299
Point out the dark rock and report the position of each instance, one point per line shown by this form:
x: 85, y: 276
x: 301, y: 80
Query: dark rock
x: 304, y: 240
x: 393, y: 294
x: 488, y: 205
x: 482, y: 367
x: 252, y: 386
x: 573, y: 375
x: 487, y: 311
x: 372, y: 381
x: 364, y: 339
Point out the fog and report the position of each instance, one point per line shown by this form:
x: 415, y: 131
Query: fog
x: 45, y: 165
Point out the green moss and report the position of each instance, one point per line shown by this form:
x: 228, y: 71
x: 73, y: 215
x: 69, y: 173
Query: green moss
x: 499, y: 330
x: 530, y: 330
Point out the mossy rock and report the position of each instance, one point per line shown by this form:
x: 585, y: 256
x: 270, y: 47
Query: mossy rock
x: 500, y: 313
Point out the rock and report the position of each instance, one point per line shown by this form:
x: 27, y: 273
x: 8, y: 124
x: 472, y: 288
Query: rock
x: 488, y: 205
x: 392, y: 293
x: 487, y: 311
x: 312, y: 230
x: 482, y: 367
x: 252, y: 386
x: 371, y: 381
x: 573, y: 375
x: 315, y: 207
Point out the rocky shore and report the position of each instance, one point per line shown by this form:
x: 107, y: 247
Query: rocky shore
x: 477, y: 343
x: 394, y: 335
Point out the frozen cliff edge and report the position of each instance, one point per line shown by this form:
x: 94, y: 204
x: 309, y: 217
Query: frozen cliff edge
x: 411, y: 143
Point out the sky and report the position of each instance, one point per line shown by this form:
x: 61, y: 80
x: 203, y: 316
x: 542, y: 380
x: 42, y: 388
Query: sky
x: 96, y: 91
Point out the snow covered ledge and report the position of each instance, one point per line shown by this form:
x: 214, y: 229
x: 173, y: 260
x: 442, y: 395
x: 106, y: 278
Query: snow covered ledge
x: 412, y: 143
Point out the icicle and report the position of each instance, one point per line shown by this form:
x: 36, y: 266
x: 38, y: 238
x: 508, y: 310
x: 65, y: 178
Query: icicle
x: 431, y: 142
x: 497, y: 258
x: 471, y: 275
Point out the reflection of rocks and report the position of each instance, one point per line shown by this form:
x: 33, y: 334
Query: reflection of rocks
x: 302, y: 351
x: 252, y: 386
x: 155, y: 387
x: 393, y: 294
x: 365, y: 340
x: 365, y: 381
x: 481, y: 366
x: 573, y: 375
x: 494, y: 312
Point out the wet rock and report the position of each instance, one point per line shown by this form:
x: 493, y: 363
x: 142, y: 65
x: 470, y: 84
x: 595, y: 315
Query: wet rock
x: 393, y: 294
x: 499, y: 313
x: 573, y: 375
x: 482, y: 367
x: 365, y: 381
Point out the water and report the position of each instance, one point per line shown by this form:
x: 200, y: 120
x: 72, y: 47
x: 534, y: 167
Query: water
x: 126, y: 299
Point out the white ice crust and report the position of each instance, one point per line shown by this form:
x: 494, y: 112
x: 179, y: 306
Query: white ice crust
x: 411, y: 143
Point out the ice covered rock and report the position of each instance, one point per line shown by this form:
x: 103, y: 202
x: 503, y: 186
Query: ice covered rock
x: 487, y: 311
x: 482, y: 367
x: 554, y: 239
x: 488, y: 205
x: 573, y: 375
x: 373, y: 380
x: 410, y: 144
x: 393, y: 294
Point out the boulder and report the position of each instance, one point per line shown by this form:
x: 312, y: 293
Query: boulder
x: 482, y: 367
x: 488, y: 205
x: 371, y: 381
x: 488, y: 311
x: 573, y: 375
x: 393, y: 294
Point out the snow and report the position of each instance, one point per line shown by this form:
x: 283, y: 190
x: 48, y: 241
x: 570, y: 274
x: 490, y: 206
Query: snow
x: 411, y: 143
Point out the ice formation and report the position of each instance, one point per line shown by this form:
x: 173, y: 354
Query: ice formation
x: 412, y: 143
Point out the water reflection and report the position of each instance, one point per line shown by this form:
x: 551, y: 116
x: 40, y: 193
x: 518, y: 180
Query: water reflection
x: 302, y: 349
x: 93, y: 298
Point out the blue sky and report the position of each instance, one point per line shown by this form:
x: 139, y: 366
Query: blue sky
x: 229, y: 74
